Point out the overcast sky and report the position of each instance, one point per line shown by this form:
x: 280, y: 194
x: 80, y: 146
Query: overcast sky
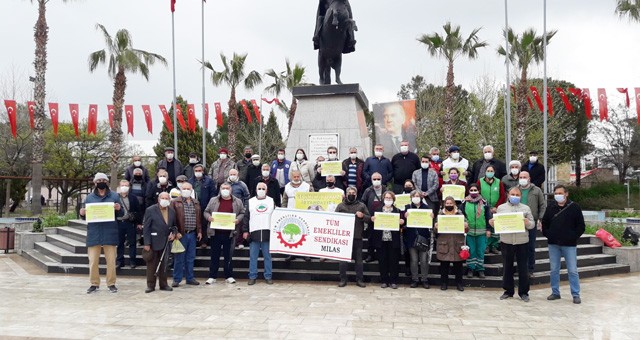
x: 593, y: 48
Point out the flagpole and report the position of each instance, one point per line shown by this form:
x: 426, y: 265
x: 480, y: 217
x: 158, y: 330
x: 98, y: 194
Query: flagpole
x: 507, y: 96
x: 545, y: 90
x: 204, y: 130
x: 175, y: 100
x: 260, y: 134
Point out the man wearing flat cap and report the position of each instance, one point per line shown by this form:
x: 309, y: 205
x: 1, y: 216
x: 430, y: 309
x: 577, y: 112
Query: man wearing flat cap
x: 171, y: 164
x: 221, y: 167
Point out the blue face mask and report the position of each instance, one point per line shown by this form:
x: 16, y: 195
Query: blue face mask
x: 515, y: 200
x: 489, y: 175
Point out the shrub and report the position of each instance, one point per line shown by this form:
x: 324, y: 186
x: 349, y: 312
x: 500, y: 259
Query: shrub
x: 607, y: 195
x: 54, y: 220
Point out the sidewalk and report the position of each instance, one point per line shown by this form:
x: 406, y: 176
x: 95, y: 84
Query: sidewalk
x: 35, y: 304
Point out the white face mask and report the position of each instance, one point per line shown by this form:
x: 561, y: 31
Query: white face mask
x: 256, y: 163
x: 378, y: 153
x: 388, y: 203
x: 225, y: 193
x: 124, y: 189
x: 185, y: 193
x: 137, y: 163
x: 233, y: 178
x: 376, y: 183
x: 162, y: 180
x: 515, y: 171
x: 416, y: 200
x: 299, y: 156
x: 193, y: 160
x: 533, y: 159
x: 169, y: 156
x: 559, y: 198
x: 164, y: 203
x: 265, y: 174
x: 223, y: 156
x: 198, y: 174
x: 280, y: 156
x: 455, y: 155
x: 261, y: 193
x: 296, y: 182
x: 353, y: 155
x: 523, y: 182
x: 488, y: 156
x: 435, y: 158
x: 404, y: 149
x: 424, y: 165
x: 333, y: 156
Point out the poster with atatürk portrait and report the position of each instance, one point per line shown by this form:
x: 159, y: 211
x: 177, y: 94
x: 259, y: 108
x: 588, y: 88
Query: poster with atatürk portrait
x: 395, y: 122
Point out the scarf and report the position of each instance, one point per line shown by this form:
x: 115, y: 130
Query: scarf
x: 479, y: 200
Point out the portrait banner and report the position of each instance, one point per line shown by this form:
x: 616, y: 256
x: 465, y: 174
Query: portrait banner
x: 509, y: 223
x: 321, y: 201
x: 100, y: 212
x: 395, y: 122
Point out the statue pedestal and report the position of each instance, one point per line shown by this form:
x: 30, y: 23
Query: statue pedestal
x: 329, y: 115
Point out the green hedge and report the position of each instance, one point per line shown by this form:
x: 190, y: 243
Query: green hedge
x: 606, y: 195
x: 52, y: 220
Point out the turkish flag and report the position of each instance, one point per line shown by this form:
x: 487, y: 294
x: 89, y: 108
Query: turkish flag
x: 92, y: 122
x: 73, y: 108
x: 602, y: 102
x: 576, y: 92
x: 565, y: 99
x: 270, y: 101
x: 53, y: 110
x: 180, y: 117
x: 549, y: 103
x: 147, y: 117
x: 128, y: 110
x: 536, y: 96
x: 219, y: 114
x: 191, y: 116
x: 111, y: 111
x: 637, y: 90
x: 167, y: 118
x: 206, y: 116
x: 586, y: 98
x: 12, y: 109
x: 32, y: 112
x: 247, y: 113
x: 625, y: 91
x: 530, y: 102
x: 256, y: 110
x: 173, y: 6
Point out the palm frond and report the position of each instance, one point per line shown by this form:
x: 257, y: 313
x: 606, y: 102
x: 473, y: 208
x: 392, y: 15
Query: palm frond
x: 96, y: 58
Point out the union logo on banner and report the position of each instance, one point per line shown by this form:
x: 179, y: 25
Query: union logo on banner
x: 291, y: 231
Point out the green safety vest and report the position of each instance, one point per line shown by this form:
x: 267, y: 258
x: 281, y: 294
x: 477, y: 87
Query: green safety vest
x: 491, y: 193
x: 477, y: 225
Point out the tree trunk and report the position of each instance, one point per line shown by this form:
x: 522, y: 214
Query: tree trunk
x: 578, y: 157
x: 521, y: 117
x: 233, y: 121
x: 292, y: 113
x: 448, y: 108
x: 119, y: 87
x: 41, y: 36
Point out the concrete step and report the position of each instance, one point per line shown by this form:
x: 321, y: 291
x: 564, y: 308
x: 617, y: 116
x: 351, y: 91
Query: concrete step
x: 70, y: 244
x: 77, y: 234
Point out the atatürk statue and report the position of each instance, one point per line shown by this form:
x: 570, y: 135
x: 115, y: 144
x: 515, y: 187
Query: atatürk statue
x: 333, y: 36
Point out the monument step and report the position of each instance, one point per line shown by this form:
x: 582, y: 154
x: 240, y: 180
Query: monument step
x: 77, y: 234
x: 70, y: 244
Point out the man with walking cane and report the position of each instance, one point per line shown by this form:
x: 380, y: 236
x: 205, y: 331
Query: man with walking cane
x: 159, y: 229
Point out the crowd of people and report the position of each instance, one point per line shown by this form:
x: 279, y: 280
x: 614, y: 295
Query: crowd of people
x: 179, y: 203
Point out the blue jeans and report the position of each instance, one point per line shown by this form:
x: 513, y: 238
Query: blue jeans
x: 183, y: 262
x: 571, y: 260
x: 221, y: 242
x: 254, y: 251
x: 126, y: 231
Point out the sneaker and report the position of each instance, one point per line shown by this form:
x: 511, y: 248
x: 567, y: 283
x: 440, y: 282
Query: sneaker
x: 113, y: 289
x: 394, y: 286
x: 268, y: 281
x: 525, y: 297
x: 577, y: 300
x: 553, y: 297
x: 175, y: 284
x: 251, y: 282
x: 210, y: 281
x: 193, y: 283
x: 360, y: 284
x: 342, y: 284
x: 92, y: 289
x: 240, y: 246
x: 383, y: 285
x: 481, y: 274
x: 505, y: 296
x: 230, y: 280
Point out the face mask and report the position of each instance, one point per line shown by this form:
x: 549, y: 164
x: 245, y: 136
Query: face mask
x: 404, y: 149
x: 185, y: 193
x: 223, y: 156
x: 255, y: 163
x: 233, y: 178
x: 179, y: 185
x: 193, y: 160
x: 449, y: 207
x: 455, y: 155
x: 137, y: 163
x: 453, y: 177
x: 416, y: 200
x: 435, y: 158
x: 378, y: 153
x: 102, y: 185
x: 299, y: 156
x: 376, y: 183
x: 559, y: 198
x: 388, y: 203
x: 330, y: 184
x: 353, y: 155
x: 408, y: 190
x: 162, y: 180
x: 533, y: 159
x: 280, y: 156
x: 225, y: 193
x: 124, y: 190
x: 515, y: 171
x: 351, y: 198
x: 296, y: 182
x: 474, y: 194
x: 247, y: 155
x: 198, y: 174
x: 424, y: 165
x: 523, y: 182
x: 333, y: 156
x: 137, y: 177
x: 489, y: 175
x: 265, y: 174
x: 261, y: 193
x: 169, y: 156
x: 514, y: 200
x: 488, y: 156
x: 164, y: 203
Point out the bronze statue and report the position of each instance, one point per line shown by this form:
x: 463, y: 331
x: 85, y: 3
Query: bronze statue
x: 333, y: 36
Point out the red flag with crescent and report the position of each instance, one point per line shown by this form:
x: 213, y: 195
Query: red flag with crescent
x: 549, y: 103
x: 53, y: 111
x: 32, y: 112
x: 12, y: 108
x: 218, y: 114
x: 191, y: 116
x: 271, y: 101
x: 147, y: 117
x: 576, y: 92
x: 173, y: 6
x: 73, y: 109
x: 180, y: 118
x: 565, y: 99
x: 206, y: 116
x: 625, y: 91
x: 637, y: 90
x: 92, y: 121
x: 256, y: 110
x: 111, y: 110
x: 586, y: 98
x: 247, y: 113
x: 166, y: 117
x: 602, y: 103
x: 128, y: 110
x: 536, y: 96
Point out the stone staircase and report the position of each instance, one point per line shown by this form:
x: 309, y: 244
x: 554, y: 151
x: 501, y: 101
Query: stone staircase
x: 64, y: 251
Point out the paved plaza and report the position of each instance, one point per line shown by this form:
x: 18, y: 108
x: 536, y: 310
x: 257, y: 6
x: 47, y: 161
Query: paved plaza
x: 35, y: 304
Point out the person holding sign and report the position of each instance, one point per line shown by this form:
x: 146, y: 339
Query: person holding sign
x: 386, y: 238
x: 220, y: 237
x: 455, y: 160
x: 372, y: 197
x: 533, y: 197
x: 416, y: 240
x: 351, y: 205
x: 426, y: 180
x: 256, y: 229
x: 449, y: 246
x: 129, y: 221
x: 478, y: 214
x: 514, y: 245
x: 159, y: 229
x: 454, y: 179
x: 493, y: 192
x: 102, y: 231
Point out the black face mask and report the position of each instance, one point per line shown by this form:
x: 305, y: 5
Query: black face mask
x: 449, y: 207
x: 330, y: 184
x: 408, y: 190
x: 351, y: 198
x: 102, y: 185
x: 247, y: 155
x: 137, y: 177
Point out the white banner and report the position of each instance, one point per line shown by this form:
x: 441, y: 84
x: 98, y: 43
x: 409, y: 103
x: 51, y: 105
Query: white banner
x: 312, y: 233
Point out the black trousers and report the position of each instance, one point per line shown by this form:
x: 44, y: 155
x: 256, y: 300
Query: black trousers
x: 520, y: 253
x: 444, y: 271
x: 389, y: 262
x: 151, y: 270
x: 356, y: 254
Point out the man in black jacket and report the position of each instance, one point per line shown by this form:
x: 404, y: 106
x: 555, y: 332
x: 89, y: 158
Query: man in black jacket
x: 404, y: 164
x: 562, y: 225
x: 535, y: 169
x: 480, y: 166
x: 351, y: 205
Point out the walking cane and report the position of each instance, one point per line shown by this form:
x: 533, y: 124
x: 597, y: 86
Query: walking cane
x: 166, y: 245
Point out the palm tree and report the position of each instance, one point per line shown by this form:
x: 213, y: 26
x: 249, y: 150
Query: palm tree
x: 629, y: 8
x: 233, y: 75
x: 288, y: 79
x: 524, y: 50
x: 451, y: 46
x: 122, y: 58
